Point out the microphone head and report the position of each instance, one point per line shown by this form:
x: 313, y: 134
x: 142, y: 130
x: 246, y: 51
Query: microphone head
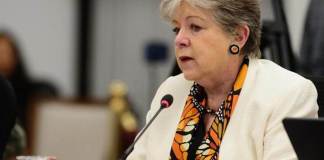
x: 166, y: 101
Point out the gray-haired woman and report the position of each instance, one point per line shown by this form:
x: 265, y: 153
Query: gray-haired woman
x: 228, y: 104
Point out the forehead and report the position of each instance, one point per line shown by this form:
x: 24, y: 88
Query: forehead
x: 4, y: 39
x: 186, y: 11
x: 5, y: 44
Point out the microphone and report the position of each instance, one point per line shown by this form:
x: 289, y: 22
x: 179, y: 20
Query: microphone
x: 165, y: 102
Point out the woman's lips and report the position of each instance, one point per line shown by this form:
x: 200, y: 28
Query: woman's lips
x: 185, y: 58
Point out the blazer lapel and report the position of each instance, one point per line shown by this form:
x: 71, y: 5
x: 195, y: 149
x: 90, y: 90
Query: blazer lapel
x: 164, y: 129
x: 230, y: 149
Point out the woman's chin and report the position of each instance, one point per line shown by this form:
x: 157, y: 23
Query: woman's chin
x: 190, y: 76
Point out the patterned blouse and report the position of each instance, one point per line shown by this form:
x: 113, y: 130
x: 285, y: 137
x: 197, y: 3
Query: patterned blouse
x: 191, y: 141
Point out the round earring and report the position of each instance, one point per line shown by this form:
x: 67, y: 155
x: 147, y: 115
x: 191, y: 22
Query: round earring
x: 234, y: 49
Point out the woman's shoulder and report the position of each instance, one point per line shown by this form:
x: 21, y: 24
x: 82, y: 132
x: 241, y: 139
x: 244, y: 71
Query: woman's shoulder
x: 272, y: 80
x: 273, y: 73
x: 269, y: 84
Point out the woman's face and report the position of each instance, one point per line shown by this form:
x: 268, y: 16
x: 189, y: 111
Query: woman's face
x: 7, y: 57
x: 201, y: 46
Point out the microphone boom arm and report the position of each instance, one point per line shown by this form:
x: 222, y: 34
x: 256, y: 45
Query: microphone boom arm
x: 131, y: 147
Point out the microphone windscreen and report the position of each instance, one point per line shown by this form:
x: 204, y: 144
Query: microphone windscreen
x: 166, y: 101
x: 7, y: 112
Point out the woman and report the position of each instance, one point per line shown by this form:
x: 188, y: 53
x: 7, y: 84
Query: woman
x: 13, y: 69
x: 228, y: 104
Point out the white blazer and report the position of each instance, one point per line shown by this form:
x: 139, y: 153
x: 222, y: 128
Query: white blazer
x: 255, y: 131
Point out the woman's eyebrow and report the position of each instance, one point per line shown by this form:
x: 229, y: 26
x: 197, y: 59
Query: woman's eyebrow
x: 194, y: 17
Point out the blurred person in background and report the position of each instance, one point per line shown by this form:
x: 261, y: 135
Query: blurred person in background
x: 13, y: 69
x: 27, y: 90
x: 227, y: 104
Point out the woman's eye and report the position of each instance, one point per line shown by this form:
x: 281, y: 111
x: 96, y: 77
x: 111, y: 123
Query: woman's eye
x: 195, y: 28
x: 176, y: 30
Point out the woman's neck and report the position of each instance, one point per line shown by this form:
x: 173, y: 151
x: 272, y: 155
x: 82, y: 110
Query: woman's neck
x: 218, y: 87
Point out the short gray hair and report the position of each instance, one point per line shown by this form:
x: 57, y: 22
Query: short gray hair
x: 230, y: 14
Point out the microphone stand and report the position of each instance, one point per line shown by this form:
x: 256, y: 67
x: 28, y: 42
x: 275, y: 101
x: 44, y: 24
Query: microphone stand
x: 131, y: 147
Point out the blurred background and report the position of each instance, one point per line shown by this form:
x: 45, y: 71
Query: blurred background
x: 85, y: 71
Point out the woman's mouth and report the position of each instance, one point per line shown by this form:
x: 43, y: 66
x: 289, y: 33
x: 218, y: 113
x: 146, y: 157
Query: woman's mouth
x: 185, y: 58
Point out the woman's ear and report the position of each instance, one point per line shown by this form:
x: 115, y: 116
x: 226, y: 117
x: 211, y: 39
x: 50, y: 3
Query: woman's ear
x: 242, y: 35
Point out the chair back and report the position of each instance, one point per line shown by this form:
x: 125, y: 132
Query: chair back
x: 74, y: 131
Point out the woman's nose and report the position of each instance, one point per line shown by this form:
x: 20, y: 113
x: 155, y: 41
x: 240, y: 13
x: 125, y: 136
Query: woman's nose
x: 181, y: 40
